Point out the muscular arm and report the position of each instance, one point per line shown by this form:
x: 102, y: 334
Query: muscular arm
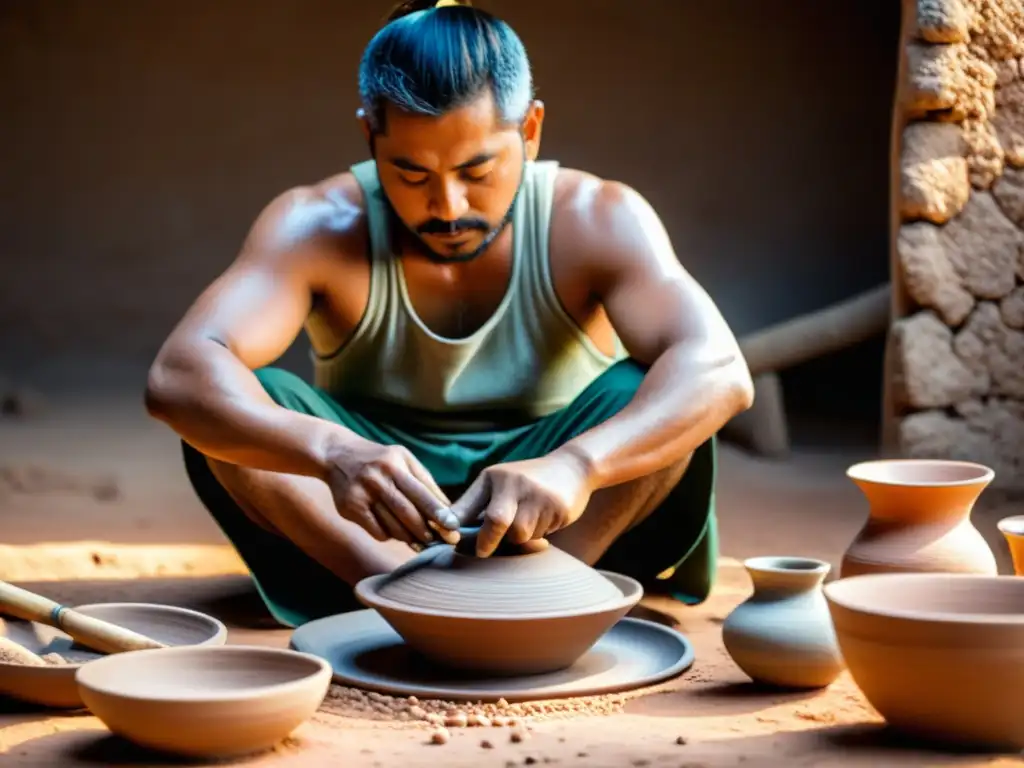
x: 202, y: 384
x: 698, y: 379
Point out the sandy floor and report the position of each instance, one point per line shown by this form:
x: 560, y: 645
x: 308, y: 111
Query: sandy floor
x: 153, y: 542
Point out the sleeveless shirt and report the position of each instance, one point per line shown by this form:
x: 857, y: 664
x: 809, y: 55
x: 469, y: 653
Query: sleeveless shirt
x: 528, y: 360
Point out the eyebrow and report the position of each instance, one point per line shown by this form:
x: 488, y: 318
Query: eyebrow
x: 408, y: 165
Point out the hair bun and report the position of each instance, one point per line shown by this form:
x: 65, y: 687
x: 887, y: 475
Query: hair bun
x: 414, y: 6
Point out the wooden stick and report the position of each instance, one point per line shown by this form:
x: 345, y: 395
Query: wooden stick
x: 86, y: 630
x: 818, y: 333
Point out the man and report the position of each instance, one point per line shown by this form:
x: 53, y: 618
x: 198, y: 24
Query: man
x: 497, y: 341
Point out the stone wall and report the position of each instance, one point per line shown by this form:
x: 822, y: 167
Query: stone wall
x: 958, y: 349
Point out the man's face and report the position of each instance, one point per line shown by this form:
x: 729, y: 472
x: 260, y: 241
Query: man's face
x: 452, y: 179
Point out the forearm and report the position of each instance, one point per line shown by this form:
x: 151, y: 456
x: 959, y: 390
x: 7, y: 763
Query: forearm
x: 218, y: 406
x: 685, y: 398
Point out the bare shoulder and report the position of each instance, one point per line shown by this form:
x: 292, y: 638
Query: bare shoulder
x: 604, y: 227
x: 323, y: 221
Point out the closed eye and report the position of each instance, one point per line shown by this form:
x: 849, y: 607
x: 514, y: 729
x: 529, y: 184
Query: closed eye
x: 417, y: 182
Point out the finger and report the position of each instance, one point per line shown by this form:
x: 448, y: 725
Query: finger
x: 525, y: 525
x: 420, y: 473
x: 369, y: 523
x: 469, y: 506
x: 404, y: 510
x: 497, y: 518
x: 426, y: 503
x: 356, y: 509
x: 535, y: 545
x: 449, y: 537
x: 389, y: 523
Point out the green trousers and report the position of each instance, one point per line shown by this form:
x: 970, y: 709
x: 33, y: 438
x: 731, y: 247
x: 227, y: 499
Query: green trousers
x: 680, y: 537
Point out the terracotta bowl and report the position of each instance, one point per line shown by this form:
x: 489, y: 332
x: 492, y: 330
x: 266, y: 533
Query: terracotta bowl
x: 54, y: 686
x: 205, y: 702
x: 940, y: 656
x: 1012, y: 529
x: 504, y: 615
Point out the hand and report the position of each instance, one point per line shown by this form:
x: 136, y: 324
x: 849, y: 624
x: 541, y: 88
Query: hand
x: 386, y: 491
x: 524, y: 500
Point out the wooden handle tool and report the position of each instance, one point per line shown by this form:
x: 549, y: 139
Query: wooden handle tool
x: 95, y: 633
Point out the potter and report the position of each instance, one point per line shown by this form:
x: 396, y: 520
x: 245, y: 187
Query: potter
x: 497, y: 340
x: 782, y: 635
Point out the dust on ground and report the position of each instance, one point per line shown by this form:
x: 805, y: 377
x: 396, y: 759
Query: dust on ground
x: 154, y: 543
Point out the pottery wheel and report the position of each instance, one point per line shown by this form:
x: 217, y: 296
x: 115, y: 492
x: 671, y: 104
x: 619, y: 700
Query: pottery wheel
x: 365, y: 652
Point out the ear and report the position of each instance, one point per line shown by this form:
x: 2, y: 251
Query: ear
x: 531, y: 128
x: 364, y: 125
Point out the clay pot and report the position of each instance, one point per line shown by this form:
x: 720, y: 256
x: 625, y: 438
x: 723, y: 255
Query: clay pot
x: 205, y: 702
x: 1012, y: 529
x: 54, y: 686
x: 938, y: 655
x: 919, y: 519
x: 507, y: 614
x: 782, y: 635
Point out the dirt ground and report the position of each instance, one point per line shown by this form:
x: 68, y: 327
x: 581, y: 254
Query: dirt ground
x: 66, y: 533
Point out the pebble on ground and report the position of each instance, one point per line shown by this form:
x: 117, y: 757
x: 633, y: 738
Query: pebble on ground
x: 442, y: 714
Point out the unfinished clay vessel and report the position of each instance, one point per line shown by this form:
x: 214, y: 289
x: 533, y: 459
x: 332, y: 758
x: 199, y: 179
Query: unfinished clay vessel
x: 919, y: 518
x: 507, y: 614
x: 205, y: 702
x: 782, y: 635
x: 1012, y: 529
x: 54, y: 686
x: 938, y: 655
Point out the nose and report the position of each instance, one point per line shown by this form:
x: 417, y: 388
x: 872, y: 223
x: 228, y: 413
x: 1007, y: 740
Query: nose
x: 448, y: 200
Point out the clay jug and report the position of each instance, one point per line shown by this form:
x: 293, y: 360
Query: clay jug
x: 1012, y: 529
x: 783, y: 635
x: 919, y: 518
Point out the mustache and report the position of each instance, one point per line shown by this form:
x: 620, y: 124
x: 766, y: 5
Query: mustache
x: 442, y: 227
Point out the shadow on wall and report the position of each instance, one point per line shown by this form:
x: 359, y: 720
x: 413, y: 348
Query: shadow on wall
x: 140, y: 145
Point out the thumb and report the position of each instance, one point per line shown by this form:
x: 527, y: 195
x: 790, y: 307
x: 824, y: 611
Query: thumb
x: 473, y: 501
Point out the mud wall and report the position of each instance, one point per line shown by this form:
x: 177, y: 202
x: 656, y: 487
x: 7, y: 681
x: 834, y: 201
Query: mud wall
x: 959, y: 351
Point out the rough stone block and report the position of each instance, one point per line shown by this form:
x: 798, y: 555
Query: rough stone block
x: 927, y: 372
x: 984, y: 247
x: 934, y: 182
x: 1011, y: 309
x: 991, y: 349
x: 943, y: 21
x: 929, y: 276
x: 1008, y: 122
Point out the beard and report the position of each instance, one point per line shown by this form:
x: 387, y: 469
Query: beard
x: 398, y: 226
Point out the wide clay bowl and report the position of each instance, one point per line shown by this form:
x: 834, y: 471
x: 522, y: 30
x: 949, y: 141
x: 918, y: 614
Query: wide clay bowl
x: 940, y: 656
x: 205, y: 702
x: 504, y: 615
x: 54, y: 686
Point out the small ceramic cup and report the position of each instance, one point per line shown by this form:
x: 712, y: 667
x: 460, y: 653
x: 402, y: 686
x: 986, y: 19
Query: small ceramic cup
x: 1012, y: 529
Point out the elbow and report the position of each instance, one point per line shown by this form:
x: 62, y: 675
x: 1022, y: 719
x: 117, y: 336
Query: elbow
x: 740, y: 386
x: 161, y: 394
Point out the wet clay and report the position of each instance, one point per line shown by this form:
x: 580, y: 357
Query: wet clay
x: 506, y: 615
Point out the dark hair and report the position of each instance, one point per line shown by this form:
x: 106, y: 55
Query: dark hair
x: 429, y: 60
